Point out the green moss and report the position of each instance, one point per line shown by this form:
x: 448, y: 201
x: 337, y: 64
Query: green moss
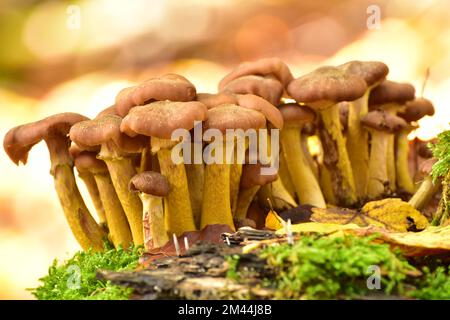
x: 433, y: 285
x: 441, y: 151
x: 75, y: 279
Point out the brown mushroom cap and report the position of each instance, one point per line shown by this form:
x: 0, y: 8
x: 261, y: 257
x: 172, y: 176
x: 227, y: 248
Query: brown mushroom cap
x: 211, y: 100
x: 229, y: 116
x: 19, y: 140
x: 167, y: 87
x: 87, y: 161
x: 391, y: 92
x: 417, y: 109
x: 160, y: 119
x: 104, y: 129
x: 150, y: 182
x: 272, y: 114
x: 427, y: 166
x: 107, y: 111
x: 268, y: 87
x: 325, y: 87
x: 296, y: 116
x: 383, y: 121
x: 251, y: 176
x: 371, y: 71
x: 263, y: 67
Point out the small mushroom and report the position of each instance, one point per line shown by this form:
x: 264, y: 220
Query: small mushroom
x: 427, y: 188
x: 159, y: 120
x: 381, y: 125
x: 119, y: 230
x: 53, y: 130
x: 152, y: 188
x: 251, y: 182
x: 171, y: 87
x: 211, y: 100
x: 321, y: 90
x: 306, y: 185
x: 115, y: 150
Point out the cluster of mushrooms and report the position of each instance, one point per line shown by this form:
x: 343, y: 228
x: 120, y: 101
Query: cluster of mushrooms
x: 141, y: 196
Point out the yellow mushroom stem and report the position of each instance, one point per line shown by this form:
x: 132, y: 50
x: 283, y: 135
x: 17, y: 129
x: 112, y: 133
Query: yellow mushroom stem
x: 404, y: 180
x: 285, y: 178
x: 216, y: 208
x: 85, y: 229
x: 378, y: 178
x: 336, y: 157
x: 119, y: 229
x: 424, y: 194
x: 121, y: 169
x: 358, y: 143
x: 180, y: 217
x: 279, y: 197
x: 390, y: 163
x: 326, y: 185
x: 306, y: 185
x: 154, y: 211
x: 308, y: 156
x: 145, y: 163
x: 195, y: 174
x: 245, y: 199
x: 235, y: 179
x: 92, y: 188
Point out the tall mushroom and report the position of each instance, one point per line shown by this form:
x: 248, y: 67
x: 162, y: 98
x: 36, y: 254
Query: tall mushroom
x: 321, y: 90
x: 116, y: 220
x: 427, y: 188
x: 115, y: 148
x: 53, y: 130
x: 381, y: 125
x: 152, y: 188
x: 159, y: 120
x: 216, y: 207
x: 373, y: 72
x: 306, y: 185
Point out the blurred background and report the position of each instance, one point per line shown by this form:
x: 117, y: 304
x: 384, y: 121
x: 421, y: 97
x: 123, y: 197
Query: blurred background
x: 76, y: 55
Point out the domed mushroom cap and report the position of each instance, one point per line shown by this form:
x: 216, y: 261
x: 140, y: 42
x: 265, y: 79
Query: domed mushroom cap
x: 229, y: 116
x: 391, y: 92
x: 150, y: 182
x: 103, y: 130
x: 383, y: 121
x: 371, y: 71
x: 427, y: 166
x: 325, y: 87
x: 251, y: 176
x: 211, y: 100
x: 167, y: 87
x: 417, y: 109
x: 159, y: 119
x: 87, y: 161
x: 19, y: 140
x: 296, y: 116
x: 272, y: 114
x: 268, y: 87
x: 107, y: 111
x: 263, y: 67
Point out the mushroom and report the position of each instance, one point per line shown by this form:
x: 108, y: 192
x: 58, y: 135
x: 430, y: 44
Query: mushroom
x: 115, y: 148
x: 306, y: 185
x: 119, y: 230
x: 308, y: 131
x: 381, y: 125
x: 251, y: 182
x: 152, y: 188
x: 216, y: 207
x: 171, y: 87
x: 53, y: 130
x: 159, y: 120
x: 89, y: 181
x: 211, y: 100
x: 373, y: 72
x: 267, y: 87
x: 263, y: 67
x: 414, y: 110
x: 427, y: 188
x: 321, y: 90
x: 391, y: 96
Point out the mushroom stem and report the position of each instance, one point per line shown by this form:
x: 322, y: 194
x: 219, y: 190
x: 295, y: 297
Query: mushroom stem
x: 404, y: 180
x: 336, y: 157
x: 85, y: 229
x: 180, y: 217
x: 357, y: 143
x: 278, y: 195
x: 121, y: 169
x: 245, y: 199
x: 154, y: 211
x: 306, y: 185
x: 307, y: 154
x: 285, y: 178
x: 390, y: 163
x: 118, y: 226
x: 326, y: 185
x: 92, y: 188
x: 378, y: 177
x: 195, y: 174
x: 235, y: 178
x: 424, y: 194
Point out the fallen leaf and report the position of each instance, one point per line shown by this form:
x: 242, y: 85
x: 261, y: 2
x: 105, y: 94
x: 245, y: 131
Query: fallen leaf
x: 273, y: 221
x: 321, y: 228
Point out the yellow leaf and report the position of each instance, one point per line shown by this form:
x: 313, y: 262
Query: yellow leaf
x: 273, y: 221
